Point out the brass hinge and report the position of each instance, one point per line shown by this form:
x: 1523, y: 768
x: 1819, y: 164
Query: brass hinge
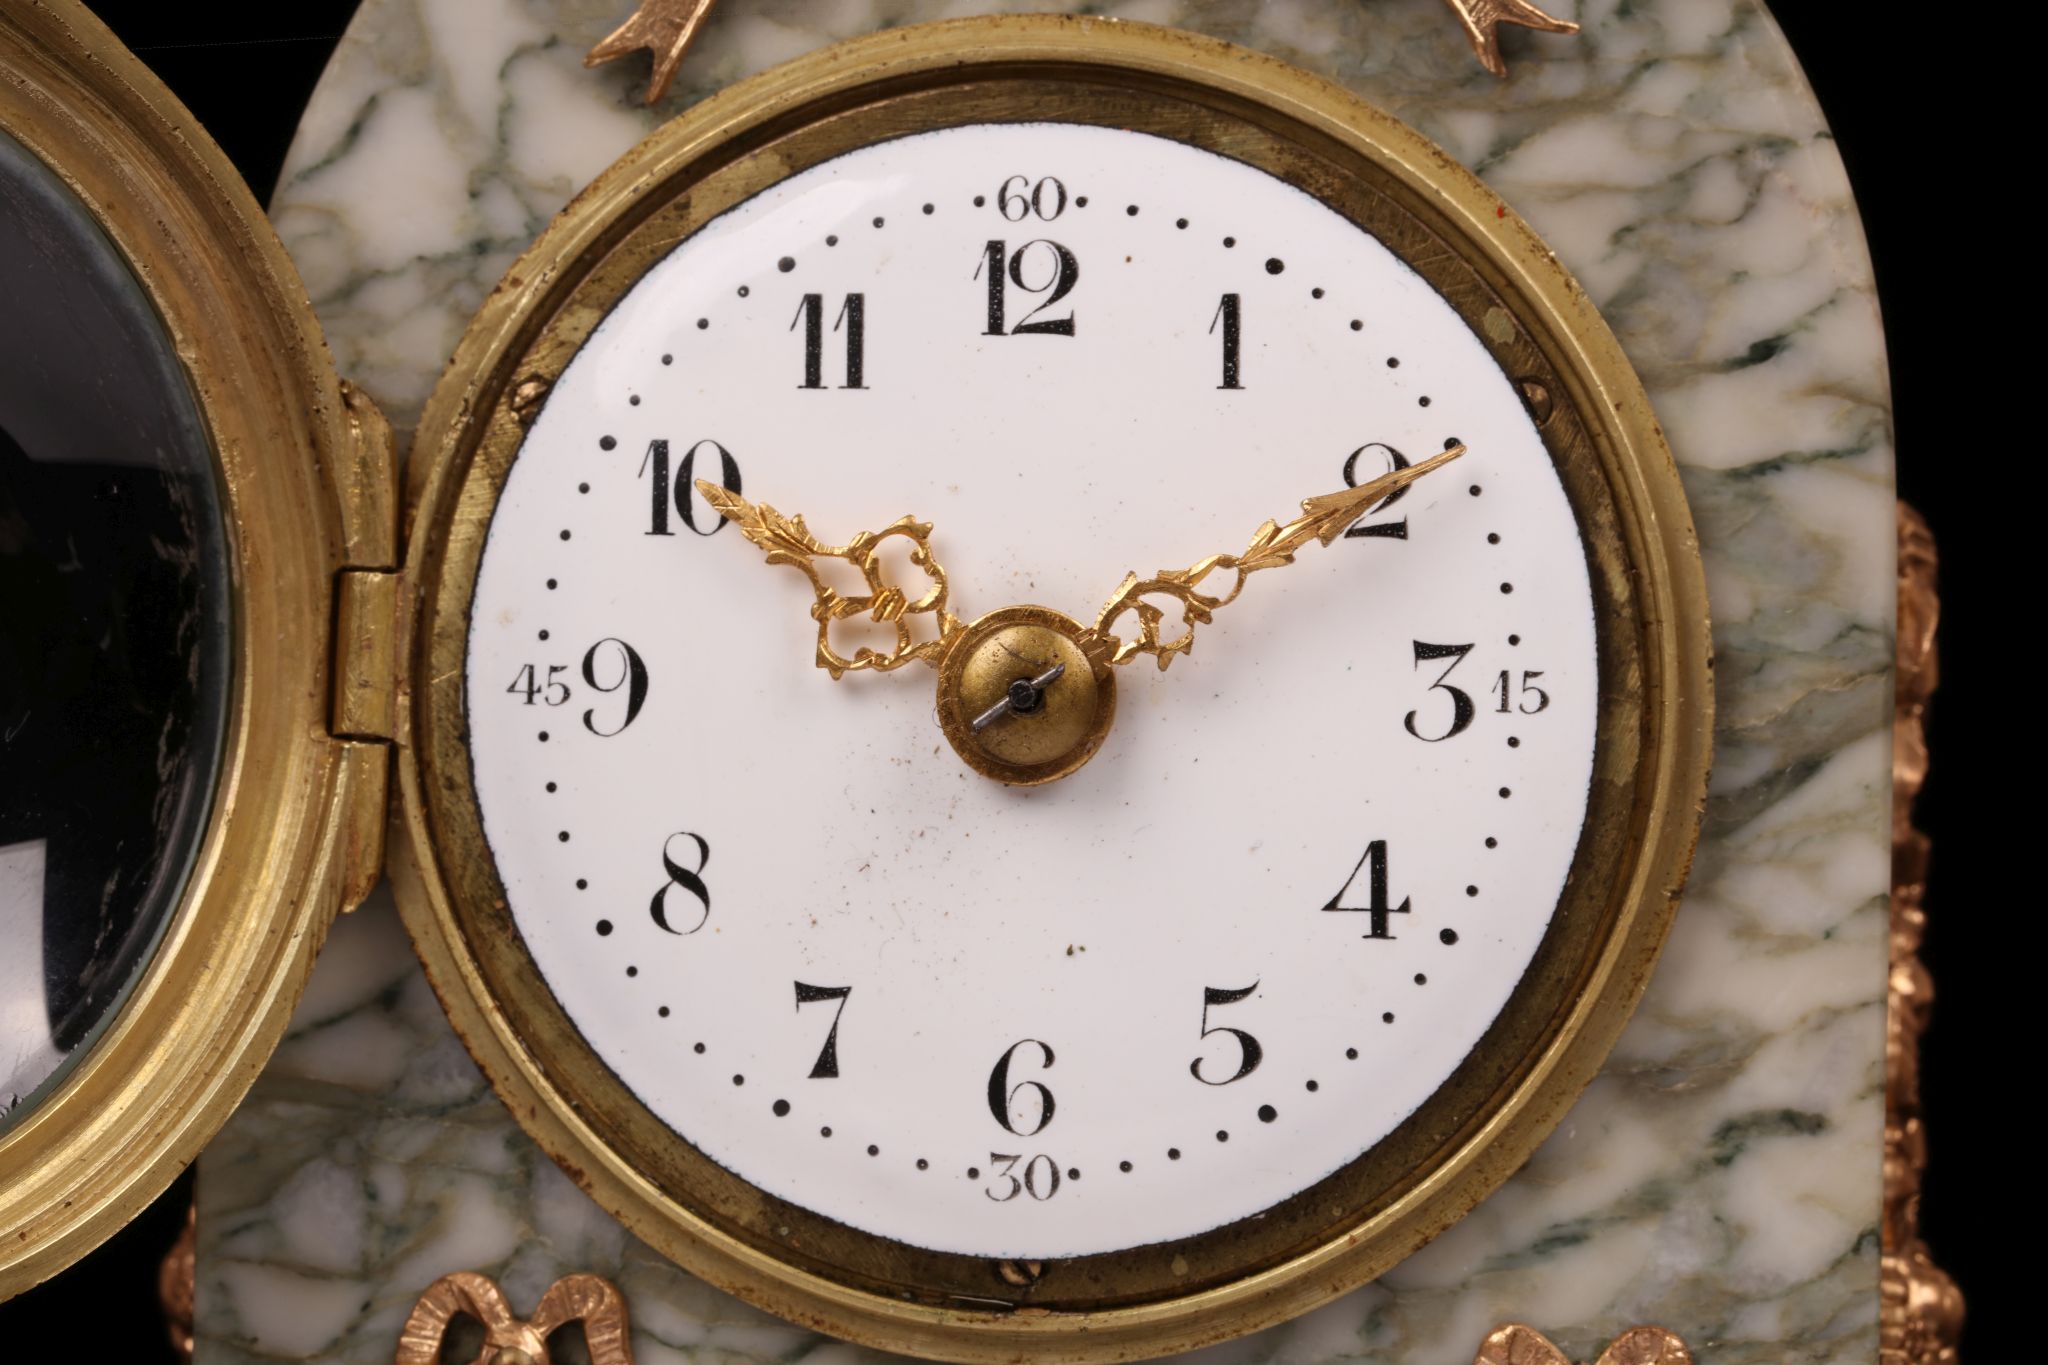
x: 365, y: 703
x: 363, y: 697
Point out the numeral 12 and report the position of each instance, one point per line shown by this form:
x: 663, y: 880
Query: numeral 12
x: 1064, y: 274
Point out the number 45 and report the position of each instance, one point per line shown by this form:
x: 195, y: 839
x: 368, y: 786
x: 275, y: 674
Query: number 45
x: 528, y: 685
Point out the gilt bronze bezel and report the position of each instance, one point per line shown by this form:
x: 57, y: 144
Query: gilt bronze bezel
x: 303, y: 469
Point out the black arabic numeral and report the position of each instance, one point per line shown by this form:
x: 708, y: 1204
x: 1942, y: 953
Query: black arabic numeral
x: 826, y: 1068
x: 1064, y: 274
x: 1002, y: 1096
x: 681, y: 492
x: 1050, y: 1182
x: 632, y: 677
x: 688, y: 880
x: 1525, y: 693
x: 1039, y: 1187
x: 852, y: 320
x: 1227, y: 317
x: 1047, y: 207
x: 811, y: 313
x: 1392, y: 530
x: 992, y: 264
x: 1374, y: 864
x: 527, y: 684
x: 1462, y: 709
x: 1250, y: 1053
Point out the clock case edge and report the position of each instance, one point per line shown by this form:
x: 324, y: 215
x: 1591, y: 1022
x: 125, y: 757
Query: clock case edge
x: 305, y: 469
x: 493, y: 388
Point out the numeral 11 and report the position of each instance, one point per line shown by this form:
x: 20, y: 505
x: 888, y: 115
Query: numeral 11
x: 851, y: 320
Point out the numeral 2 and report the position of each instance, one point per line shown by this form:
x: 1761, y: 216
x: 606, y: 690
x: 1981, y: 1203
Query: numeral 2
x: 1392, y: 530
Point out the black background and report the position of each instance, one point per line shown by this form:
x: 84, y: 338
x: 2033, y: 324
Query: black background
x: 1911, y: 109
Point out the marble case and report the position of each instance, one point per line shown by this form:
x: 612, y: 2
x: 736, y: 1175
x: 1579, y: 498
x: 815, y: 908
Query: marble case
x: 1723, y: 1175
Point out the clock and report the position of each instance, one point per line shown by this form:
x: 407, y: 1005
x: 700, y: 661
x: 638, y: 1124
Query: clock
x: 889, y: 891
x: 1171, y: 1000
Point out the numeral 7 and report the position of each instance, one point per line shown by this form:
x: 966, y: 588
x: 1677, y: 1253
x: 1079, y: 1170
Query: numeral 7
x: 827, y: 1066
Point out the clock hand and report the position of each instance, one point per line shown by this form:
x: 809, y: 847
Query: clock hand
x: 1022, y: 699
x: 788, y: 541
x: 1323, y: 518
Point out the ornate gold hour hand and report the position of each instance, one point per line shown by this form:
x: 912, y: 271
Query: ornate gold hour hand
x: 788, y: 541
x: 1323, y: 519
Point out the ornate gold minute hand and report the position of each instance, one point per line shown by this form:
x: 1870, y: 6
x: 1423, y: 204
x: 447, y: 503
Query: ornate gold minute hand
x: 788, y: 541
x: 1323, y: 518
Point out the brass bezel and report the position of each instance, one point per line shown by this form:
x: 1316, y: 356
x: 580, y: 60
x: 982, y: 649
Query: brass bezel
x: 282, y: 847
x: 1654, y: 728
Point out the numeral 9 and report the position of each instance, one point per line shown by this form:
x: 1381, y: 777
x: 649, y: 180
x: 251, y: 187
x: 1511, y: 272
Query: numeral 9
x: 632, y: 677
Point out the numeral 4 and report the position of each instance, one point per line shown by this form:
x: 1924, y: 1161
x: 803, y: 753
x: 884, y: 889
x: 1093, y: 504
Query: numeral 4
x: 1374, y: 864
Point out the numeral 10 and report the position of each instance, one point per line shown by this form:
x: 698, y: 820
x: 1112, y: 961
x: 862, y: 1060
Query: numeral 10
x: 656, y: 462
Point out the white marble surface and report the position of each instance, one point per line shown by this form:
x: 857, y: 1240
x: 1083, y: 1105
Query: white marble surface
x: 1722, y: 1177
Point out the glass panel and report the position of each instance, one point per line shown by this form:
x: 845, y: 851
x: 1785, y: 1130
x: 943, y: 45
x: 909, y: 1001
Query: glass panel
x: 114, y: 629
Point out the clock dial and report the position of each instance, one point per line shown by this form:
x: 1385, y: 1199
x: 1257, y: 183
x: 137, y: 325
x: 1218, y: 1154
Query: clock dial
x: 1309, y: 865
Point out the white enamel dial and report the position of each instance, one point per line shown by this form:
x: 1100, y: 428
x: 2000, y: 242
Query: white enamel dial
x: 970, y: 1017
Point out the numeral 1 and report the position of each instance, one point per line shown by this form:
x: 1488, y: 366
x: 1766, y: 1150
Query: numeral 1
x: 1227, y: 316
x: 852, y: 320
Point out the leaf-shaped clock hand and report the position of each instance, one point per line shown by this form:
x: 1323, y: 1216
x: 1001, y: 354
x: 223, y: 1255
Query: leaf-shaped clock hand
x: 1323, y: 519
x: 788, y: 541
